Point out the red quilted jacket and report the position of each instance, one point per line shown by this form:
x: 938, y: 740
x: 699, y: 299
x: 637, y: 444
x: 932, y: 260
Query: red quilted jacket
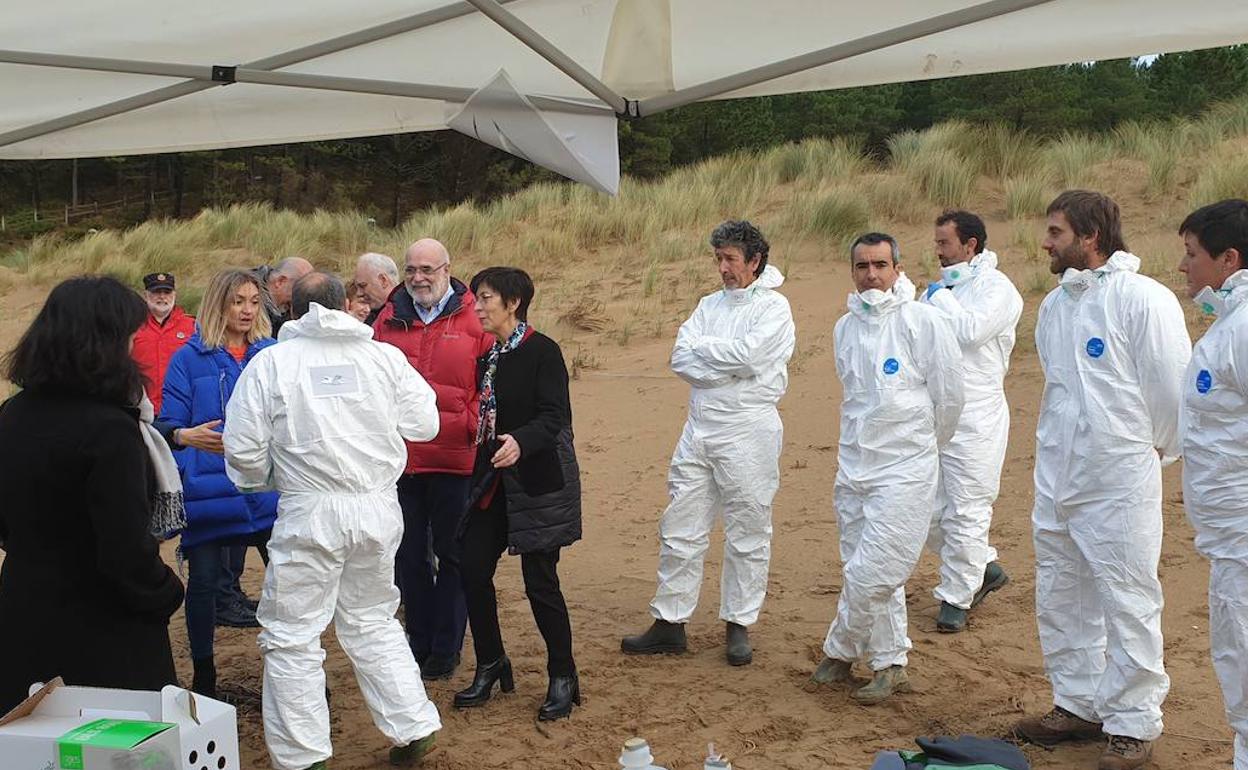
x: 154, y: 346
x: 445, y: 353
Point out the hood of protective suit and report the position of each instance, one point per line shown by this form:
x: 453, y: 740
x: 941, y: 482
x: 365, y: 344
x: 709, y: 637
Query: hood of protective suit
x: 323, y: 322
x: 874, y: 302
x: 1076, y: 282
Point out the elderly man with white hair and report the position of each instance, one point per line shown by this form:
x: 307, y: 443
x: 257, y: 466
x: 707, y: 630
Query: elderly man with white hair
x: 279, y: 281
x: 430, y: 318
x: 376, y: 276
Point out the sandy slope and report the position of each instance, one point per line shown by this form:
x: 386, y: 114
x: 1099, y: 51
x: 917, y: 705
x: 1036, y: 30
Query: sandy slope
x: 628, y: 416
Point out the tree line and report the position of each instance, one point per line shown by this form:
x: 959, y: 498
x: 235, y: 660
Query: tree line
x: 389, y: 177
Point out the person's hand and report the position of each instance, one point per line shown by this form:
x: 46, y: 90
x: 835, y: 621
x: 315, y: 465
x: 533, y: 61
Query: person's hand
x: 202, y: 437
x: 508, y: 454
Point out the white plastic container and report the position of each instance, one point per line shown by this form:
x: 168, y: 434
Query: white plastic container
x: 636, y: 755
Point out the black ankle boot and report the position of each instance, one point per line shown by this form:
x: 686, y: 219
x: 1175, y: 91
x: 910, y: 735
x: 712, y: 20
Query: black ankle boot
x: 562, y: 693
x: 204, y: 680
x: 483, y: 683
x: 661, y: 637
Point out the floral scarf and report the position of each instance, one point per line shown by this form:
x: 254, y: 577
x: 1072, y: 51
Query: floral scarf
x: 489, y: 407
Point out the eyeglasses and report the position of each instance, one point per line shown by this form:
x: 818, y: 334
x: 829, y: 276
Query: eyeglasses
x: 424, y: 270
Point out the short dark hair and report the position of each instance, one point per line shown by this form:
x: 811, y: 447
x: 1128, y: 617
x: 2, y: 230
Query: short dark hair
x: 1220, y: 226
x: 322, y: 288
x: 510, y: 283
x: 79, y: 344
x: 871, y: 239
x: 1092, y: 213
x: 742, y: 234
x: 967, y: 226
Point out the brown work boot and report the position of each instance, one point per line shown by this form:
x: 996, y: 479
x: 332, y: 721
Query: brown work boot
x: 1055, y: 727
x: 885, y: 682
x: 1125, y: 753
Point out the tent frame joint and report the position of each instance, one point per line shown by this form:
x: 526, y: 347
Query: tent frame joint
x: 224, y: 74
x: 631, y: 111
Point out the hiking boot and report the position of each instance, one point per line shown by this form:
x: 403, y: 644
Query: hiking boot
x: 830, y: 671
x: 237, y: 615
x: 661, y: 637
x: 886, y: 682
x: 1056, y: 726
x: 1124, y: 753
x: 439, y: 667
x: 411, y: 754
x: 739, y: 651
x: 951, y: 619
x: 994, y: 578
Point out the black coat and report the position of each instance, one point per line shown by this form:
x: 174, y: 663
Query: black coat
x: 84, y: 593
x: 543, y: 489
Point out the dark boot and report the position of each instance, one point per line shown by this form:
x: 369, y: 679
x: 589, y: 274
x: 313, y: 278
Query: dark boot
x: 739, y: 651
x: 412, y: 754
x: 483, y: 683
x: 204, y: 680
x: 1056, y: 726
x: 439, y: 667
x: 661, y: 637
x: 560, y: 695
x: 994, y: 578
x: 237, y: 615
x: 951, y: 619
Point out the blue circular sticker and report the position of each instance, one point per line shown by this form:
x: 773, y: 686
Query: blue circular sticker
x: 891, y: 366
x: 1204, y: 381
x: 1096, y: 347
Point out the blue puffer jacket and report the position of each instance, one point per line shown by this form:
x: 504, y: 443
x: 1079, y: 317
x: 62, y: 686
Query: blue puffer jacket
x: 197, y: 386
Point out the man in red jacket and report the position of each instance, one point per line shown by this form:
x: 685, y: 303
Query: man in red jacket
x: 430, y: 318
x: 167, y: 329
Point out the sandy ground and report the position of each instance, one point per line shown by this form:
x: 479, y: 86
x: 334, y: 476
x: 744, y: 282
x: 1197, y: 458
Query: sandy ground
x: 629, y: 413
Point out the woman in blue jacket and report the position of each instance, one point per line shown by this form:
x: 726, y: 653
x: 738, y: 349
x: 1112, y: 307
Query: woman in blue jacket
x: 233, y: 327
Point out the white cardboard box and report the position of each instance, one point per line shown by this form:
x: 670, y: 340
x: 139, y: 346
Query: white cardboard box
x: 206, y: 737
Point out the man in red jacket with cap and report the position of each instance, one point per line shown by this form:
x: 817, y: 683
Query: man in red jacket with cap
x: 430, y: 318
x: 167, y: 328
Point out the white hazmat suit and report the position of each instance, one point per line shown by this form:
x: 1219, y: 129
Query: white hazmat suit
x: 734, y: 352
x: 901, y: 377
x: 983, y: 308
x: 321, y: 417
x: 1114, y: 346
x: 1215, y: 487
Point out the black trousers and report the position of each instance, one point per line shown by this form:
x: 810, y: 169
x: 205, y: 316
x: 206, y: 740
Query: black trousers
x: 485, y: 540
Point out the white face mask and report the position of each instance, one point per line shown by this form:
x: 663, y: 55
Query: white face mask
x: 1212, y: 301
x: 871, y: 301
x: 956, y: 274
x: 1076, y: 282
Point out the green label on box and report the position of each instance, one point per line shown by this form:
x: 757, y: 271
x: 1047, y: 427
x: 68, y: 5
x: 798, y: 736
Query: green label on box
x: 104, y: 734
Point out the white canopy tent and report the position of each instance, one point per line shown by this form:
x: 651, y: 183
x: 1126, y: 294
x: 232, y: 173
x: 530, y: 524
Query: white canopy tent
x: 543, y: 79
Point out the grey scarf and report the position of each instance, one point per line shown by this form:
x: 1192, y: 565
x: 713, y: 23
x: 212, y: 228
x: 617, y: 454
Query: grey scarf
x: 168, y: 507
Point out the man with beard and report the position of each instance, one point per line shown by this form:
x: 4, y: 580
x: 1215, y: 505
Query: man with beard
x: 1114, y: 346
x: 167, y: 328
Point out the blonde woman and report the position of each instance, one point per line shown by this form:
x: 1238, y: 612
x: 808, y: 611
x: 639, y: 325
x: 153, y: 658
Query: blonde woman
x: 233, y: 327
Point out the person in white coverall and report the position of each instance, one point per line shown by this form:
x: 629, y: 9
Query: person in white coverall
x: 983, y: 308
x: 901, y: 379
x: 734, y: 352
x: 1114, y: 346
x: 1215, y: 441
x: 321, y: 417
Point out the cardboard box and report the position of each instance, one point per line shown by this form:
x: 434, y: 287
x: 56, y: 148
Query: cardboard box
x: 204, y: 735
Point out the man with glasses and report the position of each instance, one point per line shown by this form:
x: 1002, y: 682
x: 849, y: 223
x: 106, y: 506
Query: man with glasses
x: 430, y: 319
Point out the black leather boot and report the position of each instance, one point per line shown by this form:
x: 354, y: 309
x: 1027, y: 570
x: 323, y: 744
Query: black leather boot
x: 560, y: 695
x: 659, y: 638
x: 738, y: 649
x: 483, y: 683
x: 204, y: 680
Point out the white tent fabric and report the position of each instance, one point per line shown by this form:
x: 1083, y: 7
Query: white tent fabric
x: 653, y: 53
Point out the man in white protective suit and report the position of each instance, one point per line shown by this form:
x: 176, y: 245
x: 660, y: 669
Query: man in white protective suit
x: 1114, y: 346
x: 734, y: 352
x: 901, y: 379
x: 321, y: 417
x: 1215, y: 440
x: 983, y: 308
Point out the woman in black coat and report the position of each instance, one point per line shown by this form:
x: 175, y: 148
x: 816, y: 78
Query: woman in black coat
x: 526, y: 486
x: 84, y: 593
